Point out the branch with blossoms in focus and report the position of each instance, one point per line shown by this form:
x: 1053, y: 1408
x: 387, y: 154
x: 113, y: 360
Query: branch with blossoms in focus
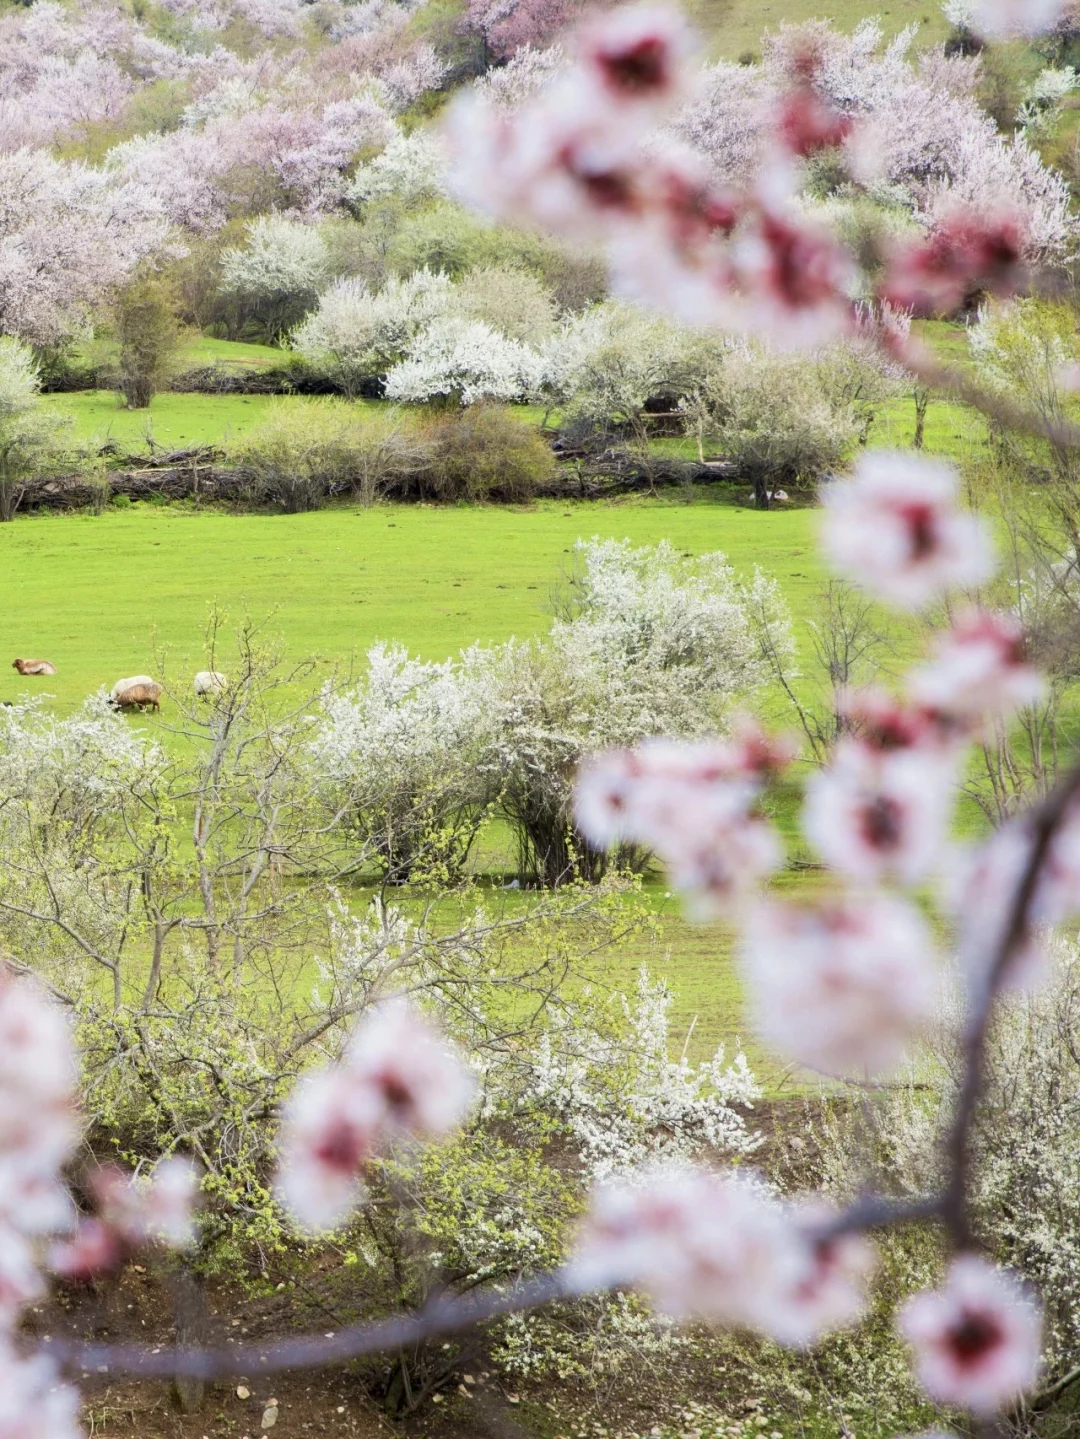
x: 588, y: 157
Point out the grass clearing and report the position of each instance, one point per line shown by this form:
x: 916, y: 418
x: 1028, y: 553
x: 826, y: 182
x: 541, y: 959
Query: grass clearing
x: 735, y: 27
x: 174, y: 421
x: 90, y: 592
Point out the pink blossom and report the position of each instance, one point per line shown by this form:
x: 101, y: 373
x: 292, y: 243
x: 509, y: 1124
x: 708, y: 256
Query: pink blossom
x: 329, y: 1132
x: 701, y: 1245
x: 978, y: 669
x: 976, y: 1340
x: 94, y: 1249
x: 20, y: 1278
x: 842, y: 986
x: 884, y: 724
x: 720, y: 858
x: 420, y: 1086
x: 397, y: 1078
x: 871, y: 816
x: 830, y: 1291
x: 967, y: 252
x: 1004, y: 18
x: 33, y: 1402
x: 627, y: 795
x: 805, y: 124
x: 552, y: 164
x: 897, y: 529
x: 138, y: 1210
x: 637, y: 55
x: 981, y: 887
x: 793, y: 278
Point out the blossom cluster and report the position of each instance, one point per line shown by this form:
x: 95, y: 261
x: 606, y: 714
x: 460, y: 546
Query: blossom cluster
x: 39, y: 1130
x: 584, y: 156
x: 843, y: 985
x: 396, y: 1079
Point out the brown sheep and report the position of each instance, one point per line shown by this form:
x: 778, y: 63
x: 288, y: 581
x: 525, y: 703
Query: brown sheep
x: 139, y: 697
x: 33, y: 667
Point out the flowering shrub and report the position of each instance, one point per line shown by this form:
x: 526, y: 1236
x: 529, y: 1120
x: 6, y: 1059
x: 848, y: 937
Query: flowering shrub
x: 459, y: 361
x: 31, y: 440
x: 279, y: 271
x: 354, y: 335
x: 413, y: 749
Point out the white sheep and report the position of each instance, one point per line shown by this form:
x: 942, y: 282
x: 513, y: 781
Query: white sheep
x: 121, y: 685
x: 210, y: 682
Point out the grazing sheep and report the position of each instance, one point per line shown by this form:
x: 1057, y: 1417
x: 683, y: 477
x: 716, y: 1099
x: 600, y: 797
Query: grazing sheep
x: 121, y: 685
x: 33, y: 667
x: 139, y: 697
x: 210, y: 682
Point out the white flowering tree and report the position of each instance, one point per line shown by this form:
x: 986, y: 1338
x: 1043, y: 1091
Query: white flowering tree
x: 31, y: 437
x: 355, y: 335
x: 655, y: 643
x: 278, y: 272
x: 457, y: 361
x: 410, y: 169
x: 413, y: 748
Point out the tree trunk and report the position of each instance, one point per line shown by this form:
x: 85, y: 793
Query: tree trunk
x: 922, y: 404
x: 192, y: 1332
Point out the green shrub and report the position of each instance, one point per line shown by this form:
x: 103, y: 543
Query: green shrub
x: 484, y: 452
x: 778, y: 416
x: 301, y: 456
x: 146, y: 337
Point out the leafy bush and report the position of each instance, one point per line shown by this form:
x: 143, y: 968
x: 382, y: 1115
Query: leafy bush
x: 607, y: 364
x: 776, y: 416
x: 512, y: 301
x: 484, y: 452
x: 300, y: 456
x: 145, y: 340
x: 31, y: 437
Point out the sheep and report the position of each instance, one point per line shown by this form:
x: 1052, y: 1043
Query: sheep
x: 121, y: 685
x: 138, y: 697
x: 210, y: 682
x: 33, y: 667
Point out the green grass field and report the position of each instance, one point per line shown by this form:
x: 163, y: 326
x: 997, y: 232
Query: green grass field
x: 735, y: 27
x: 91, y: 592
x: 94, y: 594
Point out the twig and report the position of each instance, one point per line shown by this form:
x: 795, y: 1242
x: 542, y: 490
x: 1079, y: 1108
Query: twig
x: 1045, y: 821
x: 444, y: 1316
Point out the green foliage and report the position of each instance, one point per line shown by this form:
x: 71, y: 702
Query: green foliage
x: 297, y: 459
x: 484, y: 452
x: 31, y: 438
x: 144, y: 341
x: 775, y: 416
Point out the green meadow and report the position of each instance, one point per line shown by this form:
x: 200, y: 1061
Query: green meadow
x: 735, y: 27
x: 96, y: 593
x: 106, y: 595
